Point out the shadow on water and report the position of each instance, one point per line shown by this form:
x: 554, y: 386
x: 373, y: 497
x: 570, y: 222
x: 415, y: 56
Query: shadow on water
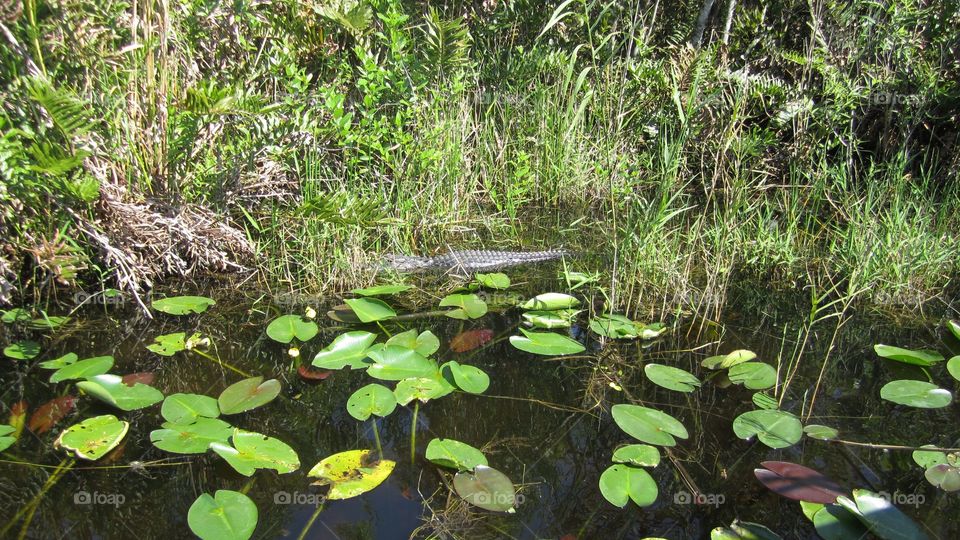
x: 543, y: 422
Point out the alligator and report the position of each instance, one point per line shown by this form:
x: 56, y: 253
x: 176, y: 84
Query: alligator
x: 469, y: 261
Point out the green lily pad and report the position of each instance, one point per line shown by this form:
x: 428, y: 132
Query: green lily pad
x: 944, y: 476
x: 834, y: 522
x: 743, y: 530
x: 823, y: 433
x: 880, y: 516
x: 551, y: 301
x: 467, y: 378
x: 725, y: 361
x: 351, y: 473
x: 764, y: 401
x: 953, y: 367
x: 193, y: 438
x: 182, y: 305
x: 494, y: 281
x: 5, y: 439
x: 929, y: 458
x: 22, y: 350
x: 187, y: 408
x: 251, y: 451
x: 111, y: 390
x: 382, y: 290
x: 954, y: 328
x: 168, y: 344
x: 371, y: 309
x: 57, y: 363
x: 648, y: 425
x: 393, y: 363
x: 916, y: 394
x: 426, y: 343
x: 421, y: 388
x: 16, y: 315
x: 228, y: 515
x: 622, y: 483
x: 546, y: 343
x: 83, y: 369
x: 614, y: 326
x: 285, y: 328
x: 753, y: 375
x: 776, y: 429
x: 652, y: 330
x: 671, y: 378
x: 47, y: 322
x: 94, y: 437
x: 486, y: 488
x: 908, y: 356
x: 561, y: 318
x: 248, y: 394
x: 454, y: 454
x: 469, y: 306
x: 349, y: 349
x: 371, y: 399
x: 642, y: 455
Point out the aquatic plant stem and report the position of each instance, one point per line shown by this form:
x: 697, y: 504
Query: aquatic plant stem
x: 316, y: 513
x: 376, y: 437
x: 413, y: 433
x: 31, y: 507
x: 222, y: 363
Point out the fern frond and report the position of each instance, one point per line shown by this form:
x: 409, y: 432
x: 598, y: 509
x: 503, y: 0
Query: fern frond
x: 447, y: 43
x: 69, y: 113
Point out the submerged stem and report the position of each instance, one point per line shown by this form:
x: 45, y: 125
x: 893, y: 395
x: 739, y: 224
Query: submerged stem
x: 316, y: 513
x: 376, y: 436
x: 31, y: 507
x: 413, y: 433
x: 222, y: 363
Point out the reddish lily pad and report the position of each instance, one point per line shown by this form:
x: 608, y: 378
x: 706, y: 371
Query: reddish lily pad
x: 797, y: 482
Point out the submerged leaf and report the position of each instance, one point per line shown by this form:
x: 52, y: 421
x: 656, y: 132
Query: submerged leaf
x: 486, y: 488
x: 797, y: 482
x: 51, y: 412
x: 470, y: 340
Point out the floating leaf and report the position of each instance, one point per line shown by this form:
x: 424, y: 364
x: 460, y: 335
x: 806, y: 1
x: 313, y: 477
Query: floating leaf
x: 881, y: 516
x: 349, y: 349
x: 228, y: 515
x: 168, y: 344
x: 193, y: 438
x: 94, y: 437
x: 6, y: 438
x: 426, y: 343
x: 382, y: 290
x: 551, y: 301
x: 421, y: 388
x: 83, y: 369
x: 643, y: 455
x: 351, y: 473
x: 763, y: 401
x: 251, y: 451
x: 454, y: 454
x: 16, y: 315
x: 614, y: 326
x: 546, y: 343
x: 648, y: 425
x: 51, y: 412
x: 753, y: 375
x: 64, y: 361
x: 393, y: 363
x: 916, y: 394
x: 22, y: 350
x: 834, y: 522
x: 743, y: 530
x: 907, y: 356
x: 725, y: 361
x: 47, y: 322
x: 953, y: 367
x: 944, y: 476
x: 486, y: 488
x: 470, y: 340
x: 823, y: 433
x: 371, y: 399
x: 18, y: 417
x: 371, y: 309
x: 467, y: 378
x: 182, y: 305
x: 671, y: 378
x: 622, y: 483
x: 954, y: 328
x: 652, y: 330
x: 187, y: 408
x: 797, y: 482
x: 469, y: 306
x: 312, y: 375
x: 776, y: 429
x: 111, y: 390
x: 285, y: 328
x: 248, y: 394
x: 494, y: 281
x: 343, y: 313
x: 929, y: 458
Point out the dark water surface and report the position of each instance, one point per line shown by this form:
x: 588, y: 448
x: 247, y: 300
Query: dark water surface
x: 543, y: 422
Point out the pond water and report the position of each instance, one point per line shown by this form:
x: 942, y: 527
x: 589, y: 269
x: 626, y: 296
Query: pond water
x: 544, y: 422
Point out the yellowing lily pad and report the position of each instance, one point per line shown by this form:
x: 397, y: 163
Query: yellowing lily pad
x: 94, y: 437
x: 351, y: 473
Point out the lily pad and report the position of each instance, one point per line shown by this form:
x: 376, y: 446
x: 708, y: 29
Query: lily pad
x: 469, y: 306
x: 880, y: 516
x: 494, y: 281
x: 919, y: 394
x: 22, y: 350
x: 228, y: 515
x: 6, y: 440
x: 642, y: 455
x: 764, y: 401
x: 834, y: 522
x: 486, y: 488
x: 379, y: 290
x: 776, y: 429
x: 551, y: 301
x: 16, y: 315
x: 94, y: 437
x: 168, y: 344
x: 671, y: 378
x: 622, y: 483
x: 187, y: 408
x: 112, y: 390
x: 954, y: 327
x: 57, y: 363
x: 467, y: 378
x: 248, y: 394
x: 561, y: 318
x: 648, y: 425
x: 193, y: 438
x: 182, y: 305
x: 393, y: 363
x: 421, y: 388
x: 908, y: 356
x: 371, y: 309
x: 351, y: 473
x: 83, y: 369
x: 797, y: 482
x: 426, y: 343
x: 469, y: 340
x: 753, y: 375
x: 953, y: 367
x: 371, y: 399
x: 944, y: 476
x: 614, y: 326
x: 454, y: 454
x: 251, y: 451
x: 47, y: 322
x: 285, y: 328
x: 726, y: 361
x: 546, y: 343
x: 823, y: 433
x: 349, y: 349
